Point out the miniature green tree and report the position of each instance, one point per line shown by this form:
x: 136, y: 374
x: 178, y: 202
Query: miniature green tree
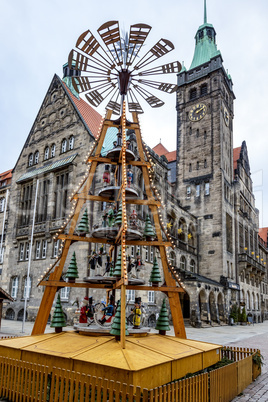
x: 243, y: 315
x: 234, y: 312
x: 162, y: 323
x: 112, y: 269
x: 116, y: 325
x: 117, y: 271
x: 58, y: 320
x: 72, y: 271
x: 155, y: 277
x: 118, y: 218
x: 148, y: 232
x: 83, y: 226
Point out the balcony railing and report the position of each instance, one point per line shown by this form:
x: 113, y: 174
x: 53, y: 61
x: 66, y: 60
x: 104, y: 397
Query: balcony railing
x: 251, y: 262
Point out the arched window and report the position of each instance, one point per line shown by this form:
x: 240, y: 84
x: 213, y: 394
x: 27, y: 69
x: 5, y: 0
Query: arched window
x: 71, y: 142
x: 30, y: 160
x: 248, y: 301
x: 64, y: 146
x: 53, y: 150
x: 14, y: 287
x: 172, y: 258
x: 46, y: 156
x: 183, y: 263
x: 182, y: 230
x: 192, y: 266
x: 36, y: 157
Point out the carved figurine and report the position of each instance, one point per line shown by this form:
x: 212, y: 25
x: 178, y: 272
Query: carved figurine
x: 110, y: 216
x: 104, y: 219
x: 138, y: 263
x: 133, y: 219
x: 137, y: 313
x: 83, y: 311
x: 108, y: 311
x: 129, y: 177
x: 106, y: 176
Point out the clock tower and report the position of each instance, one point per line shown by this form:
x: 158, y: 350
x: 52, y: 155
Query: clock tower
x: 205, y: 153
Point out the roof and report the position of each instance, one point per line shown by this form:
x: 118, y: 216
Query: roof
x: 90, y: 116
x: 4, y: 295
x: 6, y: 175
x: 263, y: 233
x: 236, y: 156
x: 160, y: 150
x: 205, y: 47
x: 47, y: 168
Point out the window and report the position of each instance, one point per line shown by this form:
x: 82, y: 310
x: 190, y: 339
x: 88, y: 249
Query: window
x: 14, y: 287
x: 2, y: 255
x: 27, y: 288
x: 53, y: 150
x: 21, y: 252
x: 138, y: 250
x: 172, y: 258
x: 132, y: 252
x: 204, y: 89
x: 27, y: 250
x: 192, y: 266
x: 46, y: 153
x: 205, y: 163
x: 151, y: 296
x: 197, y: 133
x: 183, y: 263
x: 146, y: 254
x: 30, y: 160
x: 65, y: 293
x: 193, y: 93
x: 44, y: 249
x: 64, y: 146
x: 197, y: 165
x: 190, y: 167
x: 61, y: 193
x: 2, y: 204
x: 71, y: 142
x: 56, y: 248
x: 206, y: 188
x: 229, y: 233
x: 131, y: 295
x: 36, y: 157
x: 37, y: 249
x: 197, y: 190
x: 26, y: 203
x: 152, y: 255
x: 43, y: 201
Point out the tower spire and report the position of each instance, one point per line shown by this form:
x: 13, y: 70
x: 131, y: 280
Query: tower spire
x: 205, y: 11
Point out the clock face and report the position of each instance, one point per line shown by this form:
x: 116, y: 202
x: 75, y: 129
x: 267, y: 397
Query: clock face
x: 197, y: 112
x: 226, y: 116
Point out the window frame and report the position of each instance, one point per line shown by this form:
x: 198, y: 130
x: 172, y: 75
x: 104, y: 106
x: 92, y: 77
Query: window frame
x: 14, y: 287
x: 64, y: 146
x: 53, y: 150
x: 71, y: 142
x: 36, y: 157
x: 25, y: 295
x: 130, y: 295
x: 44, y: 249
x: 46, y: 153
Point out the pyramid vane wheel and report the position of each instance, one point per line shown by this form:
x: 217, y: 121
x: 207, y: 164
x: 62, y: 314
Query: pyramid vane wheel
x: 114, y: 70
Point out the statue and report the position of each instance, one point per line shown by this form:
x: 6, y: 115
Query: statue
x: 110, y: 216
x: 137, y: 313
x: 83, y: 311
x: 129, y: 177
x: 106, y: 176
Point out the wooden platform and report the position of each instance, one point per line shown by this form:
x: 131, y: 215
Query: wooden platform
x: 148, y: 361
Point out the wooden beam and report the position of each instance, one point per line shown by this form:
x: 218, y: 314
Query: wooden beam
x: 62, y: 284
x: 105, y: 199
x: 156, y: 288
x: 85, y: 239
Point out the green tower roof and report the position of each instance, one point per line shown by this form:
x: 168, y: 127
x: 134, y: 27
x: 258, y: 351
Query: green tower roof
x: 205, y: 43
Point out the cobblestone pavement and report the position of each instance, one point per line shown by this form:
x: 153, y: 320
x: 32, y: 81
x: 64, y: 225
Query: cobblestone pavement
x: 253, y: 336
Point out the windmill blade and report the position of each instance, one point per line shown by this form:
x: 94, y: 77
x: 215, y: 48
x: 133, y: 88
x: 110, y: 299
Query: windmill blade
x: 113, y: 103
x: 133, y: 104
x: 150, y: 98
x: 162, y: 47
x: 168, y: 68
x: 137, y: 36
x: 78, y: 61
x: 95, y: 97
x: 161, y: 86
x: 84, y: 84
x: 110, y: 35
x: 88, y: 44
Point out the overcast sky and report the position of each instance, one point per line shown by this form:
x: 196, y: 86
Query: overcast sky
x: 37, y: 36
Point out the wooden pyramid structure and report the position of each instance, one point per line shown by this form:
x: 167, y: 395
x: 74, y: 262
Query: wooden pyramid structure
x: 171, y: 285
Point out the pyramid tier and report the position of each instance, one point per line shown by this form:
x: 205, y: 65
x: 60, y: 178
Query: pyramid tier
x: 112, y: 232
x: 114, y: 154
x: 111, y: 279
x: 112, y: 191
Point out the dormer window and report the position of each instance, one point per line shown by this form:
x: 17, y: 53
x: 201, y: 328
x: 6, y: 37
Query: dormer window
x: 36, y: 157
x: 209, y: 33
x: 64, y: 146
x: 30, y: 160
x: 46, y: 153
x: 201, y: 35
